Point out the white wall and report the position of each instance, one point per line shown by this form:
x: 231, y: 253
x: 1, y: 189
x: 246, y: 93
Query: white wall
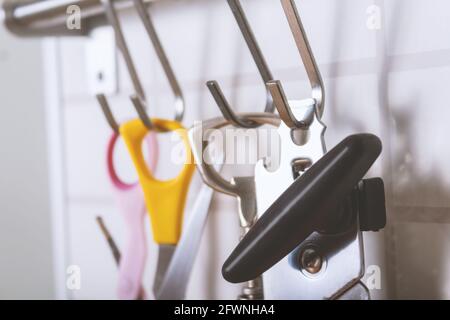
x: 26, y: 270
x: 391, y: 82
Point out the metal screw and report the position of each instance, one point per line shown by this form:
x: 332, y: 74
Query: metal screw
x: 311, y: 261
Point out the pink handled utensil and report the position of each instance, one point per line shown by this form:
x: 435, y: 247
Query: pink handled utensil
x: 130, y: 200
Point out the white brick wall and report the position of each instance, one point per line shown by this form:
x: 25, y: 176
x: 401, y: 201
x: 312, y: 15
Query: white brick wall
x: 391, y: 82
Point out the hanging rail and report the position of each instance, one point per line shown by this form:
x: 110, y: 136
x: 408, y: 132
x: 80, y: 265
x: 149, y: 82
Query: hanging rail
x: 29, y: 18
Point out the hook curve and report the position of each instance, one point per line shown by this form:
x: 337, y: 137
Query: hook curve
x: 163, y: 59
x: 315, y: 79
x: 103, y: 102
x: 264, y: 71
x: 139, y: 99
x: 113, y: 19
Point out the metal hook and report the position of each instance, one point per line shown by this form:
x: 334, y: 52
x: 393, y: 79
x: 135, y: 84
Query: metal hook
x: 113, y: 19
x: 151, y: 31
x: 139, y: 105
x: 140, y: 109
x: 103, y: 102
x: 312, y: 70
x: 112, y: 244
x: 139, y: 100
x: 260, y: 62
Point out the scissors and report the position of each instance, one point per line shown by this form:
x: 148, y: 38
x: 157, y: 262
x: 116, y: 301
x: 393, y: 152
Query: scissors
x: 165, y: 200
x: 130, y: 200
x: 176, y: 279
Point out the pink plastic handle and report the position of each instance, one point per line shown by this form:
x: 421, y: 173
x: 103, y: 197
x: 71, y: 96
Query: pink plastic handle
x: 130, y: 200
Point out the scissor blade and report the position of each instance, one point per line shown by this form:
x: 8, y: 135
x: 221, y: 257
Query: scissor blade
x: 177, y: 276
x: 165, y: 254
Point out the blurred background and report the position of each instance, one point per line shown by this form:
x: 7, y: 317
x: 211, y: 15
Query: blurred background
x: 386, y: 67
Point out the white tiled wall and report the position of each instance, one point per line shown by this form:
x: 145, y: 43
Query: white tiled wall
x: 391, y: 82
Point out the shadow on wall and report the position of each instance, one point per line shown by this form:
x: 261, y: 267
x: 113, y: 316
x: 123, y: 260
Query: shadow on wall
x: 403, y: 178
x: 409, y: 254
x: 415, y: 250
x: 420, y: 234
x: 410, y: 258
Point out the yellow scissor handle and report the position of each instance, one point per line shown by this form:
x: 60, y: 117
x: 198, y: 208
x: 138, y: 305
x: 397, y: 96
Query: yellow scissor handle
x: 165, y: 200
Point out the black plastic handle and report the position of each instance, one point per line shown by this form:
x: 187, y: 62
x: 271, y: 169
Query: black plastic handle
x: 302, y: 208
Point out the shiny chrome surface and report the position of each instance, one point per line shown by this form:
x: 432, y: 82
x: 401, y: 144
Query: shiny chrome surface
x: 341, y: 254
x: 165, y: 253
x: 29, y: 18
x: 174, y: 284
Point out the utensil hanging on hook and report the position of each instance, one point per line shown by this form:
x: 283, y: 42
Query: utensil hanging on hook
x: 165, y: 200
x: 130, y: 200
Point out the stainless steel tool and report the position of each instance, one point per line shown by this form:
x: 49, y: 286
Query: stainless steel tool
x: 241, y: 187
x: 302, y: 144
x: 138, y: 99
x: 174, y: 284
x: 311, y: 225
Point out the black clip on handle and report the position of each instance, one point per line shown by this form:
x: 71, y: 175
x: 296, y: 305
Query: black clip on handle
x: 303, y: 207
